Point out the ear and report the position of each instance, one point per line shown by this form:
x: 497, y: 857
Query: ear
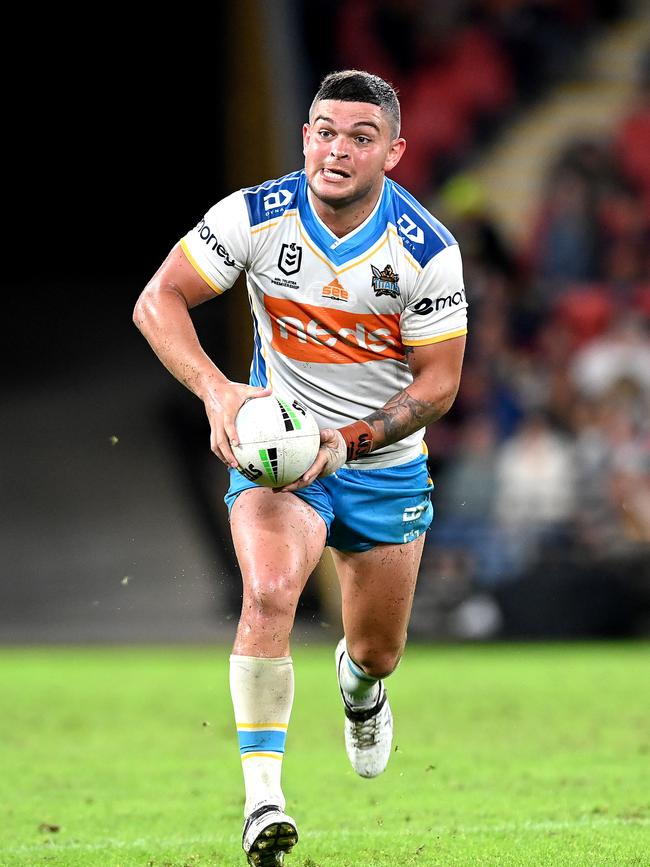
x: 395, y: 153
x: 306, y: 135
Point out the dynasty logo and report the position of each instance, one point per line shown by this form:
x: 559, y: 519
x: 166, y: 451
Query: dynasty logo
x: 279, y: 199
x: 385, y: 282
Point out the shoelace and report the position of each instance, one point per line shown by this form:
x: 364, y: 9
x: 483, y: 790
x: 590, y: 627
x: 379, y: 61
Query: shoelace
x: 365, y: 733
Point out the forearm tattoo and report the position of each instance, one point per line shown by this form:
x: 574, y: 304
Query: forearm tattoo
x: 402, y: 415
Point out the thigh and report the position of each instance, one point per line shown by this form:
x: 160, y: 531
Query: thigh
x: 278, y: 539
x: 377, y: 588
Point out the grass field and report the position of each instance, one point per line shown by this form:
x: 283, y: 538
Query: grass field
x: 504, y: 755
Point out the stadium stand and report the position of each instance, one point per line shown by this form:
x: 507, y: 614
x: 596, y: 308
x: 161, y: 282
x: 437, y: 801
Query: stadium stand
x: 557, y: 378
x: 527, y: 132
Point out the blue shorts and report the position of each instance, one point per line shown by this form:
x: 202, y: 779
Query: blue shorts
x: 364, y: 508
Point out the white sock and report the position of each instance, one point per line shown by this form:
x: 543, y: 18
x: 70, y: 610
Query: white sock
x: 262, y: 696
x: 359, y: 689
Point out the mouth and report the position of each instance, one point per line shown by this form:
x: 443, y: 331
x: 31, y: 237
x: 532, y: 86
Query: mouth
x: 332, y: 174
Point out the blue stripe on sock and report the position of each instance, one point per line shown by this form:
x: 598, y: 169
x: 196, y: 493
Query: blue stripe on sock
x: 261, y: 741
x: 357, y: 672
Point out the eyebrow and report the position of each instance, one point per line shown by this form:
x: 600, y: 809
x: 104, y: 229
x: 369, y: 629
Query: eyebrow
x: 358, y: 123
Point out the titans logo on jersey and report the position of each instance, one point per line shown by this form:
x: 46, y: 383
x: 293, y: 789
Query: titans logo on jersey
x: 385, y: 282
x: 321, y: 303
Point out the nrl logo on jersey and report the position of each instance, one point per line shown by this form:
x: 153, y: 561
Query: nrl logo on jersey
x: 385, y: 282
x: 290, y: 259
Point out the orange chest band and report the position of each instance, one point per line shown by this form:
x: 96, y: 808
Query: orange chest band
x: 359, y: 439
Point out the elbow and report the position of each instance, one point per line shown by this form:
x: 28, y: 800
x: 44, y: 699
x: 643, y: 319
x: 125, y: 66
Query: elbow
x: 144, y: 308
x: 158, y: 302
x: 446, y: 399
x: 137, y: 315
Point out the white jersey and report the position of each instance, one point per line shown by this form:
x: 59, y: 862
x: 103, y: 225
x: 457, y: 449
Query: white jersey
x: 331, y: 316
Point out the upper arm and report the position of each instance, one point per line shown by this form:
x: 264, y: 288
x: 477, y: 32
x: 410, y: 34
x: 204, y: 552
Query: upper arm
x: 436, y: 367
x: 210, y: 257
x: 179, y: 275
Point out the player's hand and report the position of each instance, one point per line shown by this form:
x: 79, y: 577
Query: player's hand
x: 331, y: 456
x: 222, y: 405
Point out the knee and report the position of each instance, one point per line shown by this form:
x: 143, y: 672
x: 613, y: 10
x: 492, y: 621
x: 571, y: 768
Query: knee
x: 375, y: 662
x: 271, y: 597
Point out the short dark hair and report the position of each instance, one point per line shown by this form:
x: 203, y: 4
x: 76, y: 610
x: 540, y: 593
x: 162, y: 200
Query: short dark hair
x: 354, y: 85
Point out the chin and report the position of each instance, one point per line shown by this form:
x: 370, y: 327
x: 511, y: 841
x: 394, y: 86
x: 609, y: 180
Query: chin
x: 333, y: 200
x: 330, y: 196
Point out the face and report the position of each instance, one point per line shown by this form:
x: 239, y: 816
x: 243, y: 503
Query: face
x: 348, y: 147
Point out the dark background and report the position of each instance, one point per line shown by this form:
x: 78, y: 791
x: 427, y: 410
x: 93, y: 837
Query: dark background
x: 115, y: 149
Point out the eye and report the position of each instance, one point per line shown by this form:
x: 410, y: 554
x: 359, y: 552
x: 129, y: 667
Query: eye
x: 363, y: 139
x: 324, y: 133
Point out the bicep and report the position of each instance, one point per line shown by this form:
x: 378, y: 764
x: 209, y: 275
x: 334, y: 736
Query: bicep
x: 179, y: 275
x: 438, y: 363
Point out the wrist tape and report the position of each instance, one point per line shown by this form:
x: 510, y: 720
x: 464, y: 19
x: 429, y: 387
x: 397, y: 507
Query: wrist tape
x: 359, y: 439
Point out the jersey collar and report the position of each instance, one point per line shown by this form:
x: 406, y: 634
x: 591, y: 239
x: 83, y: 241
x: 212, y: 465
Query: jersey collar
x: 341, y: 250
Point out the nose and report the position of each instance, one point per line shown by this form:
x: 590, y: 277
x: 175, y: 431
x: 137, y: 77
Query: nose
x: 339, y: 149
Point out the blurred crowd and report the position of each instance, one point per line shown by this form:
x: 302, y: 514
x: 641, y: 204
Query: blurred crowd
x: 477, y: 62
x: 543, y: 465
x: 542, y: 468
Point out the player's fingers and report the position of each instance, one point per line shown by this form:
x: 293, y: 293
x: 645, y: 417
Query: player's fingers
x: 294, y: 486
x: 230, y: 457
x: 231, y: 431
x: 258, y: 391
x: 329, y: 436
x: 220, y: 445
x: 307, y: 477
x: 219, y: 454
x: 313, y: 472
x: 244, y: 394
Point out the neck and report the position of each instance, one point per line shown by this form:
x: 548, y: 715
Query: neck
x: 343, y: 218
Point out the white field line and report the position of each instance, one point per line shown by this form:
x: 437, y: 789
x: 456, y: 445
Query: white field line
x: 154, y: 843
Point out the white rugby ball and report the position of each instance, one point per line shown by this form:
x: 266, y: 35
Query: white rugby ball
x: 278, y: 440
